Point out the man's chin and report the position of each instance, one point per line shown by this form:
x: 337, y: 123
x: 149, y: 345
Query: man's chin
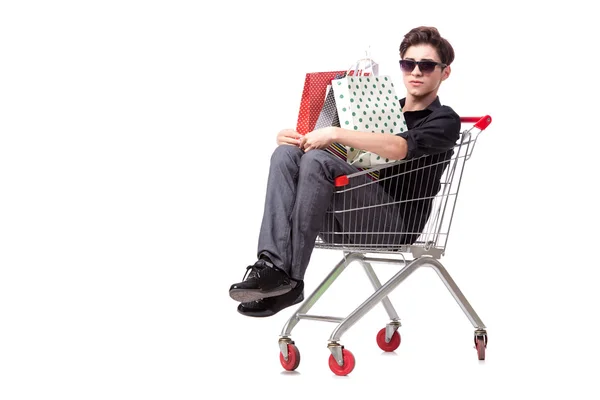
x: 418, y: 94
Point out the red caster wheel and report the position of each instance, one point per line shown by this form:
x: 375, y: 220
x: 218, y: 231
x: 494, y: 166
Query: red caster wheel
x: 345, y: 369
x: 480, y: 346
x: 293, y: 358
x: 392, y: 345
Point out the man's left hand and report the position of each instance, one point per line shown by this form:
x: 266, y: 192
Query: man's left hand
x: 318, y: 139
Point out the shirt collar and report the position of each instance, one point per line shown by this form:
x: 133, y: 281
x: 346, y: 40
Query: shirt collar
x: 434, y: 104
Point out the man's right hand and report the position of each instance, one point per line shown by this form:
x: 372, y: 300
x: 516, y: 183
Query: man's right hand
x: 289, y: 137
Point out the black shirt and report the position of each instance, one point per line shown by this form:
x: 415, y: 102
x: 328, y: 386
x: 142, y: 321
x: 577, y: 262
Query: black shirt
x: 430, y: 131
x: 431, y: 136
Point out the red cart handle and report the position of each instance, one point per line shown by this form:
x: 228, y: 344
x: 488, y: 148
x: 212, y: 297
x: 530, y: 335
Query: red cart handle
x: 480, y: 122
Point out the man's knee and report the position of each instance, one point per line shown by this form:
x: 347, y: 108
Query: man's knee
x: 315, y: 158
x: 286, y: 154
x: 316, y: 161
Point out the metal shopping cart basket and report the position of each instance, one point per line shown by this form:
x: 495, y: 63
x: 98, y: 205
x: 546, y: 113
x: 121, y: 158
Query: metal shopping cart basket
x: 410, y: 219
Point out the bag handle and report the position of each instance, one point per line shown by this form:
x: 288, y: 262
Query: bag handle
x: 357, y: 64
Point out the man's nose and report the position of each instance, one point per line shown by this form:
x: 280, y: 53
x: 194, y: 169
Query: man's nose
x: 416, y: 71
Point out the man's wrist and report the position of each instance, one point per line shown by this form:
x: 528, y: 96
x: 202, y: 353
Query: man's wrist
x: 335, y: 133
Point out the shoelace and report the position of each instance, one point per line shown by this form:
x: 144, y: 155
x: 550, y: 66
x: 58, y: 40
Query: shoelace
x: 253, y: 271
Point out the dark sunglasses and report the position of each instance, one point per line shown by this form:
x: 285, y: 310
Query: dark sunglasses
x: 424, y: 66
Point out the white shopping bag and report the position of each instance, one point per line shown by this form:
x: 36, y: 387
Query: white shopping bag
x: 363, y: 67
x: 368, y: 104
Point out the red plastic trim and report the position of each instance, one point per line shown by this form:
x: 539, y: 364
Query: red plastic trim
x: 341, y: 181
x: 483, y: 122
x: 480, y: 122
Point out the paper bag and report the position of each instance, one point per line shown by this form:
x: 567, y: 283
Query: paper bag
x: 363, y: 67
x: 368, y: 104
x: 313, y: 97
x: 329, y: 117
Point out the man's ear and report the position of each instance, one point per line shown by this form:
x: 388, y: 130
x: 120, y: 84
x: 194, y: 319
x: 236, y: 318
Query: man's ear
x: 446, y: 73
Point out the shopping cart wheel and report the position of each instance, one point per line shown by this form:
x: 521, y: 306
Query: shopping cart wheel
x: 392, y: 345
x: 293, y: 358
x: 342, y: 370
x: 480, y: 346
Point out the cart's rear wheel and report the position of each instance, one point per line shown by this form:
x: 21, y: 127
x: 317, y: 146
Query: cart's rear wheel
x: 480, y: 346
x: 345, y: 369
x: 392, y: 345
x: 293, y: 358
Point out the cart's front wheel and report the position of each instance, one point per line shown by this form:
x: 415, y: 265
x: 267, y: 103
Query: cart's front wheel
x: 293, y: 358
x: 342, y: 370
x: 393, y: 343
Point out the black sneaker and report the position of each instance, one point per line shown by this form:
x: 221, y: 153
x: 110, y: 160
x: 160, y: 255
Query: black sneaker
x: 261, y: 280
x: 272, y: 305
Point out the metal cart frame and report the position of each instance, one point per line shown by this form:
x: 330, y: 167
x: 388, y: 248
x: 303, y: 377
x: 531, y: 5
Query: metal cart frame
x: 425, y: 251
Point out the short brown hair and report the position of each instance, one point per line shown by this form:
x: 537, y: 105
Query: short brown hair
x: 428, y: 35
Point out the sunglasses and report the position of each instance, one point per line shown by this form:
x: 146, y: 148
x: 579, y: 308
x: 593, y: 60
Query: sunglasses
x: 424, y: 66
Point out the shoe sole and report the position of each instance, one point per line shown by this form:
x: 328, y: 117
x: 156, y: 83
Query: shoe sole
x: 248, y: 295
x: 270, y: 311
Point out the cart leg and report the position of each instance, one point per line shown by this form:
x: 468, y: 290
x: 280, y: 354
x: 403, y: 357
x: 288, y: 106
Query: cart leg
x: 318, y: 292
x: 480, y: 335
x: 387, y: 304
x: 458, y: 296
x: 393, y: 282
x: 374, y: 299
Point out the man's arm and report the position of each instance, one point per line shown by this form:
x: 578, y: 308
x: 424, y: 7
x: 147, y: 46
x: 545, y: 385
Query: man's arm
x: 439, y: 133
x: 387, y: 146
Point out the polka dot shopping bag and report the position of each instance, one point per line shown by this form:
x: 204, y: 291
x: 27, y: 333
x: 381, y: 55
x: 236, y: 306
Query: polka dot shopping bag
x: 313, y: 97
x: 329, y: 117
x: 368, y: 104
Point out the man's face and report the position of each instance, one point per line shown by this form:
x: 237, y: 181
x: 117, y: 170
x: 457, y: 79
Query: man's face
x: 419, y: 83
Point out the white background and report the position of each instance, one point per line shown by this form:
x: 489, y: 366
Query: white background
x: 134, y: 146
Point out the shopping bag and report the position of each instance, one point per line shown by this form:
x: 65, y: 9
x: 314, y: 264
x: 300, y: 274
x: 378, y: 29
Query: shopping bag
x: 313, y: 97
x: 329, y: 117
x: 368, y: 104
x: 363, y: 67
x: 313, y: 115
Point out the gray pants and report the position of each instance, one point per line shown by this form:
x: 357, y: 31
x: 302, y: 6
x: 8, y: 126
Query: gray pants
x: 300, y: 191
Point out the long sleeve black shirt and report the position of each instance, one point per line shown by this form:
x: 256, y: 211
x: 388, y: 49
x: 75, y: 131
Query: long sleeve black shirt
x: 431, y: 136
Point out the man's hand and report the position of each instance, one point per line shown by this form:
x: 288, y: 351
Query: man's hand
x: 319, y: 139
x: 290, y: 137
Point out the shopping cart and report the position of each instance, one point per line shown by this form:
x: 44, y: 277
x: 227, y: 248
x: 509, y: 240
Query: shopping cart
x: 410, y: 220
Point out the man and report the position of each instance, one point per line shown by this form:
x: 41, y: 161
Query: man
x: 300, y: 187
